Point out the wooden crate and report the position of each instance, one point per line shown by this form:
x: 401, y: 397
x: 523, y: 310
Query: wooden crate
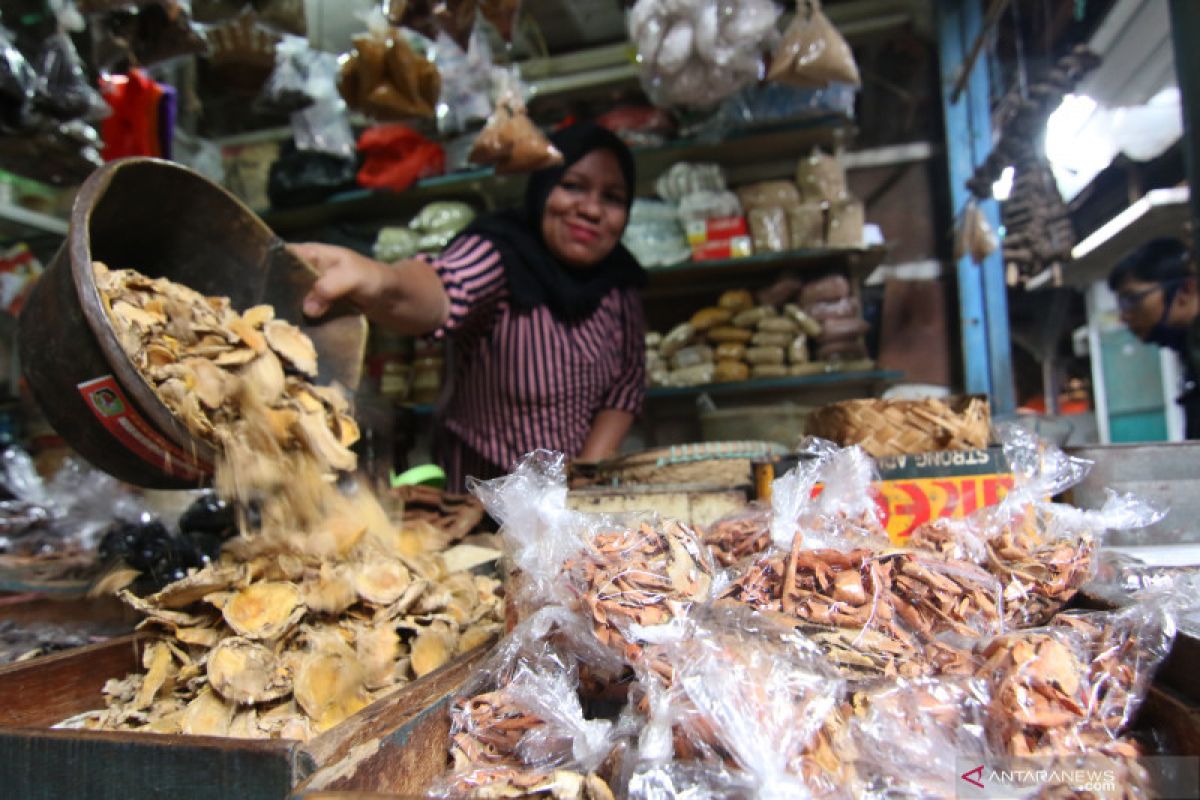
x: 397, y: 742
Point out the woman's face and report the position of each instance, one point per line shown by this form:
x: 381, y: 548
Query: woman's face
x: 587, y: 210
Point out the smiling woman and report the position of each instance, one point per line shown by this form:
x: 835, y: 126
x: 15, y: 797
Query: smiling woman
x: 541, y: 306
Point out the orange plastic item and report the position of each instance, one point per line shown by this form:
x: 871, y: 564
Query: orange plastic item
x: 396, y: 157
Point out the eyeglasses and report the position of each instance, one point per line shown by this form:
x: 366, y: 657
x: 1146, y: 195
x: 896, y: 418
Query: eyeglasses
x: 1128, y: 301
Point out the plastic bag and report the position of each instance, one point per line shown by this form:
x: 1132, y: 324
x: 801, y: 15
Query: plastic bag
x: 149, y: 35
x: 771, y: 103
x: 812, y: 52
x: 741, y: 689
x: 638, y: 126
x: 510, y: 141
x: 503, y: 14
x: 519, y: 722
x: 63, y: 90
x: 1073, y: 687
x: 697, y: 52
x: 302, y: 76
x: 821, y: 178
x: 975, y: 237
x: 18, y: 83
x: 324, y: 127
x: 395, y: 243
x: 301, y: 178
x: 466, y: 81
x: 654, y: 234
x: 395, y: 157
x: 685, y: 178
x: 910, y: 734
x: 385, y: 78
x: 1042, y: 552
x: 444, y: 216
x: 737, y: 536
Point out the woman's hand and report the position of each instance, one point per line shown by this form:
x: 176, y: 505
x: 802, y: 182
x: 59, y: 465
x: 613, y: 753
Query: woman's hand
x: 407, y: 297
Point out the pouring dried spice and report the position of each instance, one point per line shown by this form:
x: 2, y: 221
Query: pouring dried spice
x: 206, y: 362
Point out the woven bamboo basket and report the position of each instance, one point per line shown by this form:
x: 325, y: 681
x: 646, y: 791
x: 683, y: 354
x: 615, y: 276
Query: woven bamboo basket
x: 900, y: 427
x: 702, y: 463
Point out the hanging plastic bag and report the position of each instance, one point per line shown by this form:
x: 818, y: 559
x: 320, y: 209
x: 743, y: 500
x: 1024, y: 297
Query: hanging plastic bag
x: 307, y: 177
x: 395, y: 157
x: 510, y: 141
x: 63, y: 89
x: 147, y: 35
x: 504, y: 14
x: 466, y: 81
x: 975, y: 237
x: 18, y: 84
x: 456, y: 18
x: 302, y: 75
x: 385, y: 78
x: 812, y: 52
x: 697, y: 52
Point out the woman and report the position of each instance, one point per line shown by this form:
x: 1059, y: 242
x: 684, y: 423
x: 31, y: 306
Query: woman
x: 541, y: 308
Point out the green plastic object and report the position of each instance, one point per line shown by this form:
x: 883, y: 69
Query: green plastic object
x: 424, y: 475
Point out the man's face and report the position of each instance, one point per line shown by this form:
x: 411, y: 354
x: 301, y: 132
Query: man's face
x: 1141, y: 305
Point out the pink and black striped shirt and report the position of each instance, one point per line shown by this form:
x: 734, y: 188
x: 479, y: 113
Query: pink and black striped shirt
x: 523, y: 379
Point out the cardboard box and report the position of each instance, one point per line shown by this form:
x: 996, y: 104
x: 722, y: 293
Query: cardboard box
x: 915, y: 489
x: 716, y: 229
x: 737, y: 247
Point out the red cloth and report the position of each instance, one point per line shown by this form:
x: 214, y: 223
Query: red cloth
x: 132, y: 128
x: 396, y: 157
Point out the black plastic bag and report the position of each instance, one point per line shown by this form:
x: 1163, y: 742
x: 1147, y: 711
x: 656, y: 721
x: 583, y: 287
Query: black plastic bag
x: 300, y: 178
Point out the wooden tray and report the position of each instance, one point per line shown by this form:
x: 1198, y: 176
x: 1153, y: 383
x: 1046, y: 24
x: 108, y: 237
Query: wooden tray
x: 397, y: 743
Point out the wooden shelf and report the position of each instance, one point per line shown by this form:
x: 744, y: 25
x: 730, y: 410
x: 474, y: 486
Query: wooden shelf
x: 738, y: 149
x: 701, y: 277
x: 775, y: 385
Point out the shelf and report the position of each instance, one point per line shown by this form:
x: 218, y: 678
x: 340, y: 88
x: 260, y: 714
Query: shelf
x: 761, y: 386
x: 771, y: 385
x: 700, y: 276
x: 790, y: 140
x: 1160, y: 212
x: 15, y: 221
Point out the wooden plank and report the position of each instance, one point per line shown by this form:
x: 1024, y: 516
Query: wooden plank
x: 51, y: 765
x: 404, y: 748
x: 108, y: 613
x: 47, y: 690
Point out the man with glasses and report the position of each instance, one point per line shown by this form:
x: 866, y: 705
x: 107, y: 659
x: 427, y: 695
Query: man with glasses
x: 1158, y: 299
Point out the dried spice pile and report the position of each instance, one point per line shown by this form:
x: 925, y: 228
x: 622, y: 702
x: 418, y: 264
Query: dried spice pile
x: 876, y: 614
x: 1040, y: 573
x: 321, y: 605
x: 644, y: 576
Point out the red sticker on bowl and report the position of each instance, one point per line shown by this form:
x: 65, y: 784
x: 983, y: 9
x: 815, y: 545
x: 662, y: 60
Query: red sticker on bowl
x: 117, y: 414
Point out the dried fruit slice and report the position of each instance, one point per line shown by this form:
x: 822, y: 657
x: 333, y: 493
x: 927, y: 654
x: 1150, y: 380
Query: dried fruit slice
x: 432, y: 649
x: 292, y: 345
x: 264, y: 376
x: 324, y: 445
x: 382, y: 582
x: 207, y: 715
x: 212, y: 384
x: 258, y: 316
x: 378, y: 650
x: 477, y: 635
x: 248, y: 335
x: 264, y: 610
x: 194, y: 587
x: 163, y: 615
x: 329, y: 687
x: 246, y: 672
x: 160, y: 665
x: 332, y: 592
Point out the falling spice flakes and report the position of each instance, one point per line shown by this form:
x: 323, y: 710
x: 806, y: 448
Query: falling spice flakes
x: 324, y: 605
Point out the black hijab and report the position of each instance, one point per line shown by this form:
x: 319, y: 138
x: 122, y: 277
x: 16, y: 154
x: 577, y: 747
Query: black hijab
x: 535, y: 276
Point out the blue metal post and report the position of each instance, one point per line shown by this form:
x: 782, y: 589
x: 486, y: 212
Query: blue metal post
x: 982, y: 293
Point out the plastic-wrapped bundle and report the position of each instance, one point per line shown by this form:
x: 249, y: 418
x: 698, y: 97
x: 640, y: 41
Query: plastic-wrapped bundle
x: 740, y: 692
x: 654, y: 234
x: 510, y: 141
x: 466, y: 81
x: 812, y: 52
x: 697, y: 52
x: 1042, y: 552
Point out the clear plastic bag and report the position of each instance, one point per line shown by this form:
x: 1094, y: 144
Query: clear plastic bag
x: 443, y: 216
x: 510, y: 141
x: 324, y: 127
x: 1074, y: 686
x: 396, y: 244
x: 739, y: 535
x: 813, y: 53
x: 975, y: 237
x: 466, y: 81
x: 1042, y: 552
x: 685, y: 178
x: 654, y: 234
x: 503, y: 14
x: 741, y: 690
x: 302, y: 76
x: 386, y: 78
x: 18, y: 83
x: 697, y: 52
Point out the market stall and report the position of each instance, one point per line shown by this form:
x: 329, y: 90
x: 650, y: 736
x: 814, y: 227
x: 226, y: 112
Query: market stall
x: 696, y: 319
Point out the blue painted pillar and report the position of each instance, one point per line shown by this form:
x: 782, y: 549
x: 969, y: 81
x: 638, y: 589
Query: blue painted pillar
x: 982, y: 293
